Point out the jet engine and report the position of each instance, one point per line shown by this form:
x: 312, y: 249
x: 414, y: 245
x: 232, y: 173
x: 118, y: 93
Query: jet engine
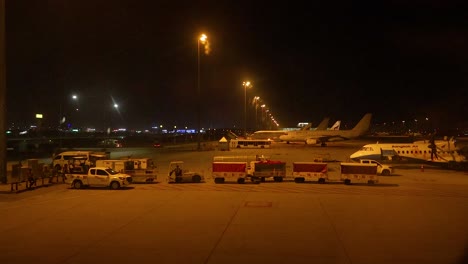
x: 311, y: 141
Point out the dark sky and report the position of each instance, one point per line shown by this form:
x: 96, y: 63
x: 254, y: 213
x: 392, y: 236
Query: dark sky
x: 400, y: 60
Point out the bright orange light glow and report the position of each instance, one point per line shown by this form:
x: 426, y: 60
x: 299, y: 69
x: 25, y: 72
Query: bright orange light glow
x: 203, y: 38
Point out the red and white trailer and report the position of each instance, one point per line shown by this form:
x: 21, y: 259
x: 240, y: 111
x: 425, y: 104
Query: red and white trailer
x: 359, y: 173
x: 229, y: 171
x: 310, y: 171
x: 268, y: 169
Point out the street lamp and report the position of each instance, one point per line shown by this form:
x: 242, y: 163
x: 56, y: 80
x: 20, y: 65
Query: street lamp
x: 263, y: 118
x: 256, y: 99
x: 246, y: 85
x: 62, y: 114
x: 202, y: 39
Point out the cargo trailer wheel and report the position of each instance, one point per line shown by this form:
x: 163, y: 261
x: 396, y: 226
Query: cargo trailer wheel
x: 370, y: 182
x: 219, y: 180
x: 254, y: 179
x: 347, y: 181
x: 241, y: 180
x: 278, y: 179
x: 299, y: 180
x: 321, y: 180
x: 77, y: 184
x: 196, y: 178
x: 114, y: 185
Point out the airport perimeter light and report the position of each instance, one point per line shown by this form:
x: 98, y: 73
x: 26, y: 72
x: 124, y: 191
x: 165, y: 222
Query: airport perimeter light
x: 246, y: 85
x: 202, y: 39
x: 256, y: 102
x: 263, y: 106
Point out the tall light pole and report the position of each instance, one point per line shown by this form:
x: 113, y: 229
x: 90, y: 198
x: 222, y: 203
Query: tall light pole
x: 263, y: 118
x: 3, y: 90
x: 62, y: 113
x: 202, y: 40
x: 256, y: 99
x: 246, y: 85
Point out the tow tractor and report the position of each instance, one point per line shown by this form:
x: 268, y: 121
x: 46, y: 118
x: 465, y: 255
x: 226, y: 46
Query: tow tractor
x: 187, y: 176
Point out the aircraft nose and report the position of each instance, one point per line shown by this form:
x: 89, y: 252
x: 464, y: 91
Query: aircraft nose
x: 354, y: 156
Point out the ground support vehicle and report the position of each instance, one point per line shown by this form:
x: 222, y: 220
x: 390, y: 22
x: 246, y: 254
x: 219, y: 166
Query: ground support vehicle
x: 358, y: 173
x: 110, y: 143
x: 63, y: 161
x: 99, y: 177
x: 140, y: 171
x: 231, y: 171
x: 187, y: 176
x: 310, y: 171
x: 268, y: 169
x: 382, y: 169
x: 258, y: 168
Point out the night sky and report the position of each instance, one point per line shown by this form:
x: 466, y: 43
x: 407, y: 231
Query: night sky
x: 400, y: 60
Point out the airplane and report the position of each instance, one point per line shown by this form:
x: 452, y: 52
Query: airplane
x: 323, y: 125
x: 306, y: 127
x: 437, y: 151
x: 268, y: 134
x: 323, y: 136
x: 335, y: 126
x: 275, y: 134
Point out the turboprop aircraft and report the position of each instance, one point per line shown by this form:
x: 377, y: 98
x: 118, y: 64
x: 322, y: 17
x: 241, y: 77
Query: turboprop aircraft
x: 435, y: 151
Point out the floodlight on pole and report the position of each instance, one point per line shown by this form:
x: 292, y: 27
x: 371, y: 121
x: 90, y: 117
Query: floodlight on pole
x: 246, y: 85
x: 202, y: 39
x: 256, y: 100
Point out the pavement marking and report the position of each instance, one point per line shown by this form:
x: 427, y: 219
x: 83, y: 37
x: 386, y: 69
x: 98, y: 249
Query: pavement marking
x: 314, y: 189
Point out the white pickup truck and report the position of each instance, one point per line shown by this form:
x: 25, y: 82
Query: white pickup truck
x: 99, y: 177
x: 382, y: 169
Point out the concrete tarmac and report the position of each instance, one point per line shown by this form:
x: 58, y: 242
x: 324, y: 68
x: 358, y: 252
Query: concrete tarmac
x: 412, y: 217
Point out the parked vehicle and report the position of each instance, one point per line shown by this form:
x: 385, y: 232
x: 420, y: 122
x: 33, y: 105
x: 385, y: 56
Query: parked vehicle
x: 310, y: 171
x: 142, y: 170
x: 382, y: 169
x: 358, y: 173
x: 99, y: 177
x: 268, y: 169
x: 110, y: 143
x: 257, y: 168
x: 178, y: 173
x: 67, y: 158
x: 231, y: 171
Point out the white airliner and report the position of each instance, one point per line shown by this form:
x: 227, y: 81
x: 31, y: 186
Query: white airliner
x: 323, y: 136
x: 275, y: 134
x: 418, y: 151
x: 323, y: 125
x: 268, y: 134
x: 336, y: 126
